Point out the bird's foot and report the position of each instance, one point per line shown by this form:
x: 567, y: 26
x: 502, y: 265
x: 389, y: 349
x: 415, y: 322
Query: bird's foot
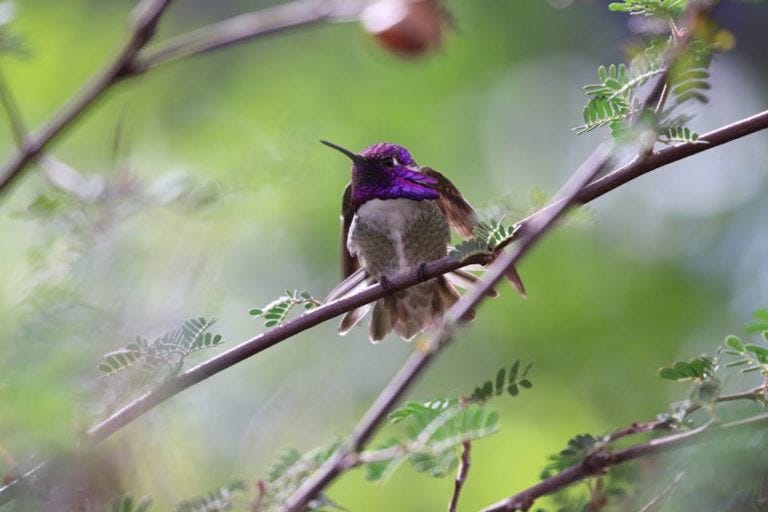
x: 386, y: 284
x: 421, y: 273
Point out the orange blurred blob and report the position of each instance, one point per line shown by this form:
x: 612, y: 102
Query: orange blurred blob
x: 407, y: 28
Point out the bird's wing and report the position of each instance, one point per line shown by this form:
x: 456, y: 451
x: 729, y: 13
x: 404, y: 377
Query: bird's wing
x: 456, y: 210
x: 463, y: 217
x: 349, y: 263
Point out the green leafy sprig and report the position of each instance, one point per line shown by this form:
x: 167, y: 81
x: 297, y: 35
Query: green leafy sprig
x: 750, y: 357
x: 487, y: 236
x: 287, y: 474
x: 667, y: 9
x: 512, y: 383
x: 431, y: 433
x: 613, y: 101
x: 165, y: 352
x: 277, y: 311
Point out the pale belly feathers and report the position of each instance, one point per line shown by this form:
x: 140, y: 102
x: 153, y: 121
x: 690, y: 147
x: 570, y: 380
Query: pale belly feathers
x: 393, y: 235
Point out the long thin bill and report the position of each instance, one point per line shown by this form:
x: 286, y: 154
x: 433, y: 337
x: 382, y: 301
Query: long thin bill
x: 351, y: 155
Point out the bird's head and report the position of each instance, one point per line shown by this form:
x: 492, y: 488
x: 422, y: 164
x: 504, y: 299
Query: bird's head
x: 386, y: 171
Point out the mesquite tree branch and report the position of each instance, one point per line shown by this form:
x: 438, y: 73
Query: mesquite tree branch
x: 247, y: 26
x: 265, y: 340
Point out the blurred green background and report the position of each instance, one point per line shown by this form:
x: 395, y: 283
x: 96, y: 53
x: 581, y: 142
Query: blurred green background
x: 219, y: 197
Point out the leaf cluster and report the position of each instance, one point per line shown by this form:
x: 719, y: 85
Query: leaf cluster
x: 749, y: 357
x: 512, y: 383
x: 734, y: 355
x: 667, y: 9
x: 166, y: 352
x: 487, y: 236
x: 288, y: 472
x: 431, y: 433
x: 576, y: 450
x: 277, y: 311
x: 614, y: 102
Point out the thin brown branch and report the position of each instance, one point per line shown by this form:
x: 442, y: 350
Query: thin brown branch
x: 757, y: 393
x: 147, y: 16
x: 461, y: 476
x: 245, y: 27
x: 598, y: 462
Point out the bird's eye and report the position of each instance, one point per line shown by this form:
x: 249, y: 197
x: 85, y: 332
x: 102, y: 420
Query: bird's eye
x: 389, y: 161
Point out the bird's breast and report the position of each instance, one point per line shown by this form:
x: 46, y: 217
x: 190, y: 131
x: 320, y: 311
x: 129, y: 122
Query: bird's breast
x: 394, y: 235
x: 393, y: 215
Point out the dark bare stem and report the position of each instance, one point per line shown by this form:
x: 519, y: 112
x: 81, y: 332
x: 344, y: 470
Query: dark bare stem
x: 246, y: 27
x: 756, y: 394
x: 461, y: 476
x: 147, y: 16
x: 596, y: 463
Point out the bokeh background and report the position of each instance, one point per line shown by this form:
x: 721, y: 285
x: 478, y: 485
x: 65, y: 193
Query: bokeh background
x: 220, y: 197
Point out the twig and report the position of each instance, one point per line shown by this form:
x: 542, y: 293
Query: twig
x: 757, y: 393
x: 666, y: 493
x: 461, y: 476
x: 245, y: 27
x: 596, y: 463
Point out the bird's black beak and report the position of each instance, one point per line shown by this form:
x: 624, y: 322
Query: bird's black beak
x: 352, y: 156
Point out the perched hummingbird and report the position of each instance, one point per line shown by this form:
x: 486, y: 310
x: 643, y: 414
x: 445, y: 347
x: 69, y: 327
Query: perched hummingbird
x: 397, y: 216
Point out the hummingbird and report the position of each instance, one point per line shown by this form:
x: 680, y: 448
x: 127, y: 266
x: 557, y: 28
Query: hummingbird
x: 396, y: 216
